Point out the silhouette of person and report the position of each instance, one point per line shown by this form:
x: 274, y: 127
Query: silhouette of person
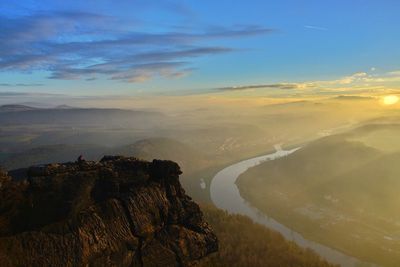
x: 80, y: 159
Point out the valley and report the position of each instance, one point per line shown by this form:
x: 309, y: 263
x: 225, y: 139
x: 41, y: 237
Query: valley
x: 338, y: 190
x: 213, y: 143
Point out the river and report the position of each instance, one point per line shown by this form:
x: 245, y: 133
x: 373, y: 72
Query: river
x: 225, y: 195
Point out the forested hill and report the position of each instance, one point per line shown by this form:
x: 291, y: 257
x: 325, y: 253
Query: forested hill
x: 243, y: 243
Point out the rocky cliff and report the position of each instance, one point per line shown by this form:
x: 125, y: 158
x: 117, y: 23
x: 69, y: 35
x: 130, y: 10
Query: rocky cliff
x: 116, y: 212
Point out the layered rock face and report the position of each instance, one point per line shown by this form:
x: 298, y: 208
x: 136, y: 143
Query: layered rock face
x: 116, y: 212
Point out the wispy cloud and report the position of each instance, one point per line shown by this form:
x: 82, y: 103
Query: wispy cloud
x: 27, y: 94
x: 357, y: 82
x: 79, y: 45
x: 20, y: 84
x: 318, y: 28
x: 283, y: 86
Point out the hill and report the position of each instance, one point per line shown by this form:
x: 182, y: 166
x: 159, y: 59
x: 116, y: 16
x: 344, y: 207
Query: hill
x: 187, y: 157
x: 18, y: 114
x: 244, y: 243
x: 15, y: 108
x: 340, y: 190
x: 148, y: 149
x: 24, y: 127
x: 51, y: 154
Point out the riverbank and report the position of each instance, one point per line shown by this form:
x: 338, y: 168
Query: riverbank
x: 225, y: 195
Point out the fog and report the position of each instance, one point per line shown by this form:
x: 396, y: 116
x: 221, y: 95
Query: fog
x: 349, y: 146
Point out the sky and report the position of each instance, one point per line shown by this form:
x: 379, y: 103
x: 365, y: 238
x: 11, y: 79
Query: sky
x: 140, y: 47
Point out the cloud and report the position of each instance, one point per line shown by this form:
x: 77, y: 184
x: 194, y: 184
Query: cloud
x: 363, y: 79
x: 372, y: 83
x: 20, y: 84
x: 80, y: 45
x: 355, y: 83
x: 124, y: 71
x: 7, y: 94
x: 394, y: 73
x: 283, y: 86
x: 353, y: 97
x: 311, y: 27
x: 27, y: 94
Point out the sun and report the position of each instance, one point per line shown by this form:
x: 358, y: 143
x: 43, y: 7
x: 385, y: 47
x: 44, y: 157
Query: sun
x: 390, y: 100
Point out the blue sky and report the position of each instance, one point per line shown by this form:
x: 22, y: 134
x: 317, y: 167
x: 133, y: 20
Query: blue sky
x: 123, y: 47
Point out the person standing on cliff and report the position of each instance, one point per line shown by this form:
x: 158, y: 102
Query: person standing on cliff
x: 80, y: 159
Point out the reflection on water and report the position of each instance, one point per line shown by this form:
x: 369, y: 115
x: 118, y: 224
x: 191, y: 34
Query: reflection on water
x: 225, y: 195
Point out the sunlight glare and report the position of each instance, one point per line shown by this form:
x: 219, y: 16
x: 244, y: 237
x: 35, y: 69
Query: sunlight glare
x: 390, y: 100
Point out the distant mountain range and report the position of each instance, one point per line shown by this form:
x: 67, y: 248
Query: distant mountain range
x: 15, y: 108
x: 30, y: 106
x: 161, y: 148
x: 64, y: 114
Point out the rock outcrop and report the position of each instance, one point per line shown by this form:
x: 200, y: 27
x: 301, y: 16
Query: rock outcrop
x: 116, y: 212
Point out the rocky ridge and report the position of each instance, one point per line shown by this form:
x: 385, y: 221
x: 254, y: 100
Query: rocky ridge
x: 119, y: 211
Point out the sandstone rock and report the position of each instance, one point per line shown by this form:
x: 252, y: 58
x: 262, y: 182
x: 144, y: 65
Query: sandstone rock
x: 116, y: 212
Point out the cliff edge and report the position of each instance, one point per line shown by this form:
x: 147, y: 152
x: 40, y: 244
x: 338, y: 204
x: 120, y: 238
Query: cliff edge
x: 117, y: 212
